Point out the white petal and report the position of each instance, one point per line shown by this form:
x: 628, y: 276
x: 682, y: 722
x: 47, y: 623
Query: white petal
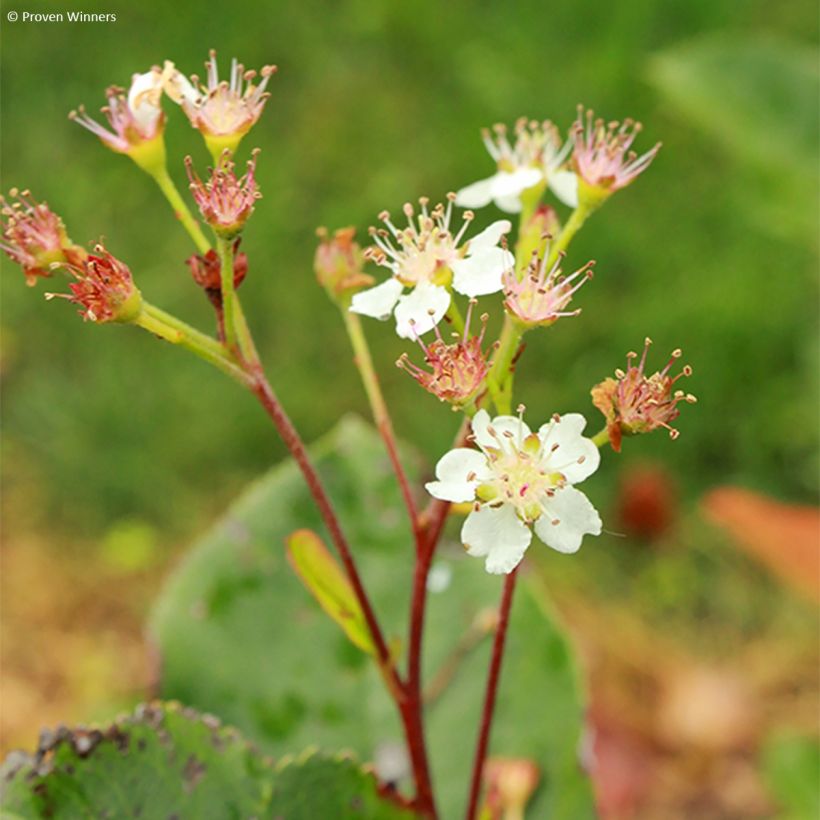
x: 515, y: 183
x: 482, y: 425
x: 476, y: 195
x: 457, y: 492
x: 574, y: 456
x: 490, y: 236
x: 453, y: 472
x: 377, y: 302
x: 576, y: 517
x: 508, y: 432
x: 460, y: 463
x: 481, y: 273
x: 499, y: 534
x: 177, y: 86
x: 143, y: 99
x: 564, y: 185
x: 510, y: 204
x: 420, y: 311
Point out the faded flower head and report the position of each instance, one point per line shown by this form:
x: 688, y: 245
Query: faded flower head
x: 104, y: 289
x: 338, y: 262
x: 429, y: 258
x: 222, y: 110
x: 457, y: 370
x: 519, y: 479
x: 635, y: 403
x: 205, y: 270
x: 511, y: 782
x: 529, y: 160
x: 225, y: 200
x: 542, y: 295
x: 136, y: 118
x: 34, y: 236
x: 602, y: 158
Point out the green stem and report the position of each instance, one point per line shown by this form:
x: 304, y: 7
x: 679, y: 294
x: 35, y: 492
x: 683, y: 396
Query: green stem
x: 381, y: 415
x: 601, y: 438
x: 499, y: 379
x: 576, y: 220
x: 455, y: 317
x: 176, y: 332
x: 224, y: 248
x: 181, y: 210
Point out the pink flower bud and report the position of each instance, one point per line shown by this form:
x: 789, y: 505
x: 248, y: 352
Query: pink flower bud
x: 338, y: 262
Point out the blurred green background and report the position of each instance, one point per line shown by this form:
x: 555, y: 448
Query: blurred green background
x: 113, y: 442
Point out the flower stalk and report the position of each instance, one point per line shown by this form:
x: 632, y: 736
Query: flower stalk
x: 490, y: 693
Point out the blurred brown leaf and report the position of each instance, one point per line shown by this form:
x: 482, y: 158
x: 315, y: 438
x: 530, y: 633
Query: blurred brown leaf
x: 783, y: 537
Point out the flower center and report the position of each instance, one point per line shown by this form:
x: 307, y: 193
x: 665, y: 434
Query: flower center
x: 522, y: 480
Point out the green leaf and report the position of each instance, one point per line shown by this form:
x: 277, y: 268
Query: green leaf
x: 790, y: 766
x: 238, y: 636
x: 169, y: 761
x: 316, y: 785
x: 322, y: 575
x: 161, y: 760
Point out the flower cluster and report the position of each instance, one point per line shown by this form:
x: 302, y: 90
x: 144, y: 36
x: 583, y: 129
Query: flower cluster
x: 602, y: 157
x: 225, y: 200
x: 429, y: 259
x: 542, y: 295
x: 136, y: 117
x: 223, y: 111
x: 635, y: 403
x: 601, y: 162
x: 34, y: 236
x: 205, y: 270
x: 338, y: 263
x: 457, y: 370
x: 528, y: 162
x: 104, y: 289
x: 518, y: 480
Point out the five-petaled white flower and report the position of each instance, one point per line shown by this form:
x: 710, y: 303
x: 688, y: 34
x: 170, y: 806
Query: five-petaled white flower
x: 519, y: 479
x: 430, y: 259
x: 533, y: 159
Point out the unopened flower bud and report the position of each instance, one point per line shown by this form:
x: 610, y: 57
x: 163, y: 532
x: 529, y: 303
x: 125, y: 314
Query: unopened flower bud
x: 223, y: 112
x: 634, y: 403
x: 34, y: 236
x: 510, y: 783
x: 458, y: 370
x: 104, y: 289
x: 225, y: 200
x: 205, y: 269
x: 338, y: 263
x: 534, y: 236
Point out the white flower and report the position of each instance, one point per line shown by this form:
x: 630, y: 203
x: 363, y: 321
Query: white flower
x: 533, y: 159
x: 134, y: 118
x: 427, y: 257
x: 520, y: 479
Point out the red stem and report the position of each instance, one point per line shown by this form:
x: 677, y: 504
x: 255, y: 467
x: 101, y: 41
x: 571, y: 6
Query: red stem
x: 492, y: 690
x: 408, y: 708
x: 264, y: 392
x: 430, y: 526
